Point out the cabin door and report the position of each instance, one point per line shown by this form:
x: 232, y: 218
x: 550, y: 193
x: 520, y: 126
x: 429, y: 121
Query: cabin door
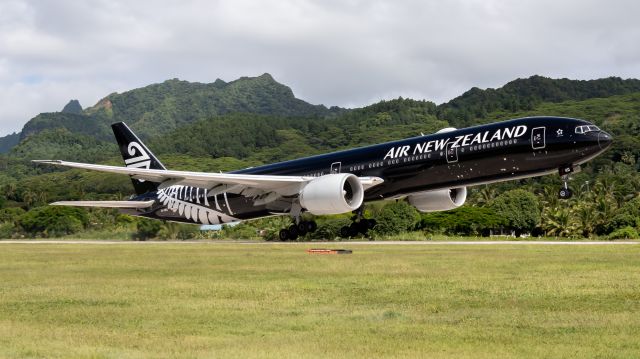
x: 336, y: 167
x: 537, y: 138
x: 452, y: 153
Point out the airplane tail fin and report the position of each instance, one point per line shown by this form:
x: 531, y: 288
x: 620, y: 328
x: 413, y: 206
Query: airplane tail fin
x: 137, y: 155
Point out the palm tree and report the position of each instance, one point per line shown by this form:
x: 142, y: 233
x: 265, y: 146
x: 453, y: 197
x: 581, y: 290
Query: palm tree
x: 29, y: 197
x: 559, y: 222
x: 485, y: 195
x: 10, y: 190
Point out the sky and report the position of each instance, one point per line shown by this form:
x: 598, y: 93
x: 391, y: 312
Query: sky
x: 347, y: 53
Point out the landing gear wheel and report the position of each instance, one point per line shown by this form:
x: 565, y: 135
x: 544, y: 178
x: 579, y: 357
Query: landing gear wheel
x: 565, y: 193
x: 363, y: 226
x: 283, y: 235
x: 372, y: 223
x: 312, y: 226
x: 344, y: 232
x: 354, y: 229
x: 302, y: 228
x: 293, y: 232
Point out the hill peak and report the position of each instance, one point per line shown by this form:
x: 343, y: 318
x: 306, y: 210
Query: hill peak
x: 72, y: 107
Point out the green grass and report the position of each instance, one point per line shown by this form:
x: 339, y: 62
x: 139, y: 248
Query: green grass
x: 274, y: 300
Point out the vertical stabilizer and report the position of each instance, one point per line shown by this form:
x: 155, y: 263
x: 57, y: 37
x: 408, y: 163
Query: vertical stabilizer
x: 136, y: 154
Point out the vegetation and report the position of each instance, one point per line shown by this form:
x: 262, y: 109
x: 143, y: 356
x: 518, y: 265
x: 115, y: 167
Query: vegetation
x: 251, y: 121
x: 274, y: 300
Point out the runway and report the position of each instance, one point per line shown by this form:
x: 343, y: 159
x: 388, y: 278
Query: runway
x: 366, y: 243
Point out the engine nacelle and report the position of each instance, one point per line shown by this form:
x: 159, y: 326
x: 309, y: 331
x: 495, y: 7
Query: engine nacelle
x: 332, y: 194
x: 441, y: 200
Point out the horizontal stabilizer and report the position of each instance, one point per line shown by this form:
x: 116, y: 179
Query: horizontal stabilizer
x: 106, y: 204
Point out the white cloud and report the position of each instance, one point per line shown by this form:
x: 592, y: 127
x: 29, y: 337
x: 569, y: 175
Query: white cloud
x: 346, y: 53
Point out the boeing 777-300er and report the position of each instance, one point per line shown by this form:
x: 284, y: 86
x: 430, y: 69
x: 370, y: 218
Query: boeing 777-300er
x: 431, y: 171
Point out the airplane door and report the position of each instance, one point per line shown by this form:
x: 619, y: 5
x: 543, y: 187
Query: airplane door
x: 537, y: 138
x: 336, y: 167
x: 452, y: 153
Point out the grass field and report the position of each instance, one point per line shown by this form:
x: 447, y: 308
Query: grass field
x: 274, y: 300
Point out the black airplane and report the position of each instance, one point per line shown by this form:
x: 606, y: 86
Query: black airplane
x: 431, y: 171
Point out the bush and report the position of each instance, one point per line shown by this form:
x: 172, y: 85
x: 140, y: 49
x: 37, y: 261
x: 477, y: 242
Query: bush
x: 329, y: 229
x: 624, y: 233
x: 518, y: 208
x: 7, y: 230
x: 11, y: 214
x: 147, y: 228
x: 242, y: 230
x: 620, y: 220
x: 52, y: 221
x: 461, y: 221
x: 396, y: 217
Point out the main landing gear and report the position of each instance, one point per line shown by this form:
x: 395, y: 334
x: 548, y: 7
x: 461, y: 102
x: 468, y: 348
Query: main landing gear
x: 297, y: 230
x: 565, y: 192
x: 359, y: 225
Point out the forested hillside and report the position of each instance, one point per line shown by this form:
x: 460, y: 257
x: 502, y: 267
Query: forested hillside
x: 250, y: 121
x: 161, y: 108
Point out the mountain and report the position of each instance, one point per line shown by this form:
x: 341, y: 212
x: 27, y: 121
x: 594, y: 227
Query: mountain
x: 525, y: 94
x: 163, y: 107
x: 72, y: 107
x: 252, y: 117
x: 8, y: 142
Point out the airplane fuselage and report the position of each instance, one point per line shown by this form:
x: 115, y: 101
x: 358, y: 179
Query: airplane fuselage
x: 500, y: 151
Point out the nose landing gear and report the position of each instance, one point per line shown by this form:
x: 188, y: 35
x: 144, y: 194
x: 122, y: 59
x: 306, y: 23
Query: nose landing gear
x: 565, y: 192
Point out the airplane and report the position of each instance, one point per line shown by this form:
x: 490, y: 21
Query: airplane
x: 431, y: 171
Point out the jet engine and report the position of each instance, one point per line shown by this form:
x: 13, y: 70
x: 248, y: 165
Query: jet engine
x: 441, y: 200
x: 332, y: 194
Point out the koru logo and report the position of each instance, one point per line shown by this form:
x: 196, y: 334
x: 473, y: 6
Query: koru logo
x: 140, y: 158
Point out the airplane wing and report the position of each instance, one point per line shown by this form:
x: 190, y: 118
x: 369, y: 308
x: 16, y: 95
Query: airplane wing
x: 106, y: 204
x: 222, y: 182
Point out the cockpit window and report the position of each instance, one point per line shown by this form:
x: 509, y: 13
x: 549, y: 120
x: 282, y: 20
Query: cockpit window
x: 586, y: 128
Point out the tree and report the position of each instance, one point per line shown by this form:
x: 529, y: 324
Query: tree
x: 52, y: 221
x: 465, y: 220
x: 396, y: 217
x: 519, y: 209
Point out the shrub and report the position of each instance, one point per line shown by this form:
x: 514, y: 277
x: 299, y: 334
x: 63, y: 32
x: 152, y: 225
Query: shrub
x: 518, y: 208
x: 242, y: 230
x: 51, y: 221
x: 147, y: 228
x: 329, y: 229
x: 461, y: 221
x: 7, y: 230
x: 396, y: 217
x: 620, y: 220
x: 624, y: 233
x: 11, y: 214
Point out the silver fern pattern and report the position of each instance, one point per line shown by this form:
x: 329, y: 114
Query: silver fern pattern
x: 192, y: 203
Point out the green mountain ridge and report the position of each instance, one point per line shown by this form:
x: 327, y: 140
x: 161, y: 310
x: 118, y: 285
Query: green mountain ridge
x: 160, y: 108
x: 525, y: 94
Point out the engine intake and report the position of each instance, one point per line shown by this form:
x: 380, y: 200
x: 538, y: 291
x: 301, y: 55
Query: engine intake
x: 332, y: 194
x: 441, y: 200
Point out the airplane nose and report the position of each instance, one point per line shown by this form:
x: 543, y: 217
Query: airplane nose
x: 604, y: 140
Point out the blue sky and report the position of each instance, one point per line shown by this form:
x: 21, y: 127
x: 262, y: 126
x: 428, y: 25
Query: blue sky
x: 345, y: 53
